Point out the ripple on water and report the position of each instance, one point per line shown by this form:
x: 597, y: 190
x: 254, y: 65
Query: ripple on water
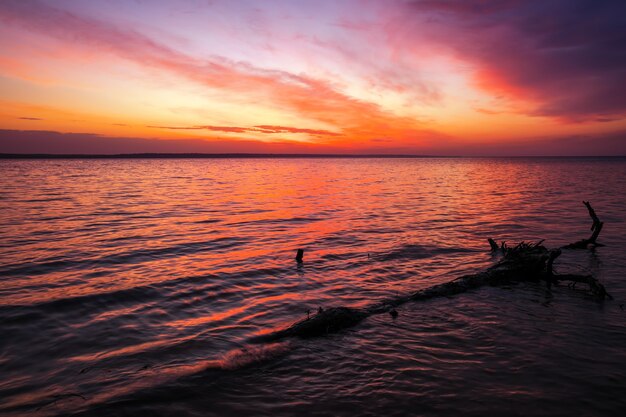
x: 132, y: 287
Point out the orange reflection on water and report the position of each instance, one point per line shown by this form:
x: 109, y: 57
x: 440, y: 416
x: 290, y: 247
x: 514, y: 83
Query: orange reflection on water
x: 118, y: 264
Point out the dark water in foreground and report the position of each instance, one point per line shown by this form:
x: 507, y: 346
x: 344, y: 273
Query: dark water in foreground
x: 133, y: 287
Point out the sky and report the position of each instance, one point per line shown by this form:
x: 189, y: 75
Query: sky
x: 471, y: 77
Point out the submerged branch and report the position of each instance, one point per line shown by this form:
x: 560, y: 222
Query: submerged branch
x: 326, y: 321
x: 595, y: 287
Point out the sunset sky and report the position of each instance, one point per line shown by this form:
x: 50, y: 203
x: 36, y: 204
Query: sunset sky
x: 346, y: 76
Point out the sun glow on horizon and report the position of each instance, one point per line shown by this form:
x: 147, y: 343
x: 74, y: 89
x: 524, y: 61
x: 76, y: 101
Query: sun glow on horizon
x: 355, y: 76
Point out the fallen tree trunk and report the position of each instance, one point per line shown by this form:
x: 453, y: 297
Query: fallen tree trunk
x: 524, y: 262
x: 324, y: 322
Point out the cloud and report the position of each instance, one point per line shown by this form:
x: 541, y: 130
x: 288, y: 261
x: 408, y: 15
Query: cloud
x: 558, y: 59
x: 285, y: 129
x: 609, y: 144
x: 227, y: 129
x: 49, y: 142
x: 487, y: 111
x: 55, y: 143
x: 258, y: 129
x: 218, y: 128
x: 308, y: 97
x: 565, y: 56
x: 30, y: 118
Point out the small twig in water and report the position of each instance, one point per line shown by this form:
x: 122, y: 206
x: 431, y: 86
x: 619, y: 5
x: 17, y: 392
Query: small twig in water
x: 146, y: 366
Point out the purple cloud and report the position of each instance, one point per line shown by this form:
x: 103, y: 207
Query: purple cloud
x: 567, y: 56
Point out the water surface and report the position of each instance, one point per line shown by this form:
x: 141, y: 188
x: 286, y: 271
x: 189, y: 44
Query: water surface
x: 134, y: 287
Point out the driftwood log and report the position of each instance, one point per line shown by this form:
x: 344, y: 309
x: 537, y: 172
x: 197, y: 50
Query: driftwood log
x: 523, y: 262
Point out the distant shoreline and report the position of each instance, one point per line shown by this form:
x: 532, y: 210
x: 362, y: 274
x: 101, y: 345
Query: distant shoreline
x: 274, y: 156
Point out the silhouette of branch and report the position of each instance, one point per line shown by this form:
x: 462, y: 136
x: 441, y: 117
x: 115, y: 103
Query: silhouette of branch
x: 595, y: 287
x: 596, y: 228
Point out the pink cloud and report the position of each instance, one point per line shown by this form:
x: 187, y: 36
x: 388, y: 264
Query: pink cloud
x: 308, y: 97
x: 258, y: 129
x: 565, y: 56
x: 285, y: 129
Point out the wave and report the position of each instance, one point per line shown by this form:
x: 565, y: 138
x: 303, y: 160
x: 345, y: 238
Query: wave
x: 411, y: 251
x: 134, y: 256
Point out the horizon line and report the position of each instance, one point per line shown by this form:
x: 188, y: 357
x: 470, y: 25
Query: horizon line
x: 245, y: 155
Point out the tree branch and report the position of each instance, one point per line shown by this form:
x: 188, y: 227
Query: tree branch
x: 596, y: 228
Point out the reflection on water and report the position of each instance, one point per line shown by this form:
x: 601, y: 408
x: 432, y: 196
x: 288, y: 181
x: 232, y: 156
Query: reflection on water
x: 133, y: 286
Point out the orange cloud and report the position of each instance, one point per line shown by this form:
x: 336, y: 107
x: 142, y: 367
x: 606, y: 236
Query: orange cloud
x: 285, y: 129
x: 258, y: 129
x: 305, y: 97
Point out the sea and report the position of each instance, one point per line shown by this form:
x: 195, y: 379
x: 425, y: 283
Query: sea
x: 140, y: 287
